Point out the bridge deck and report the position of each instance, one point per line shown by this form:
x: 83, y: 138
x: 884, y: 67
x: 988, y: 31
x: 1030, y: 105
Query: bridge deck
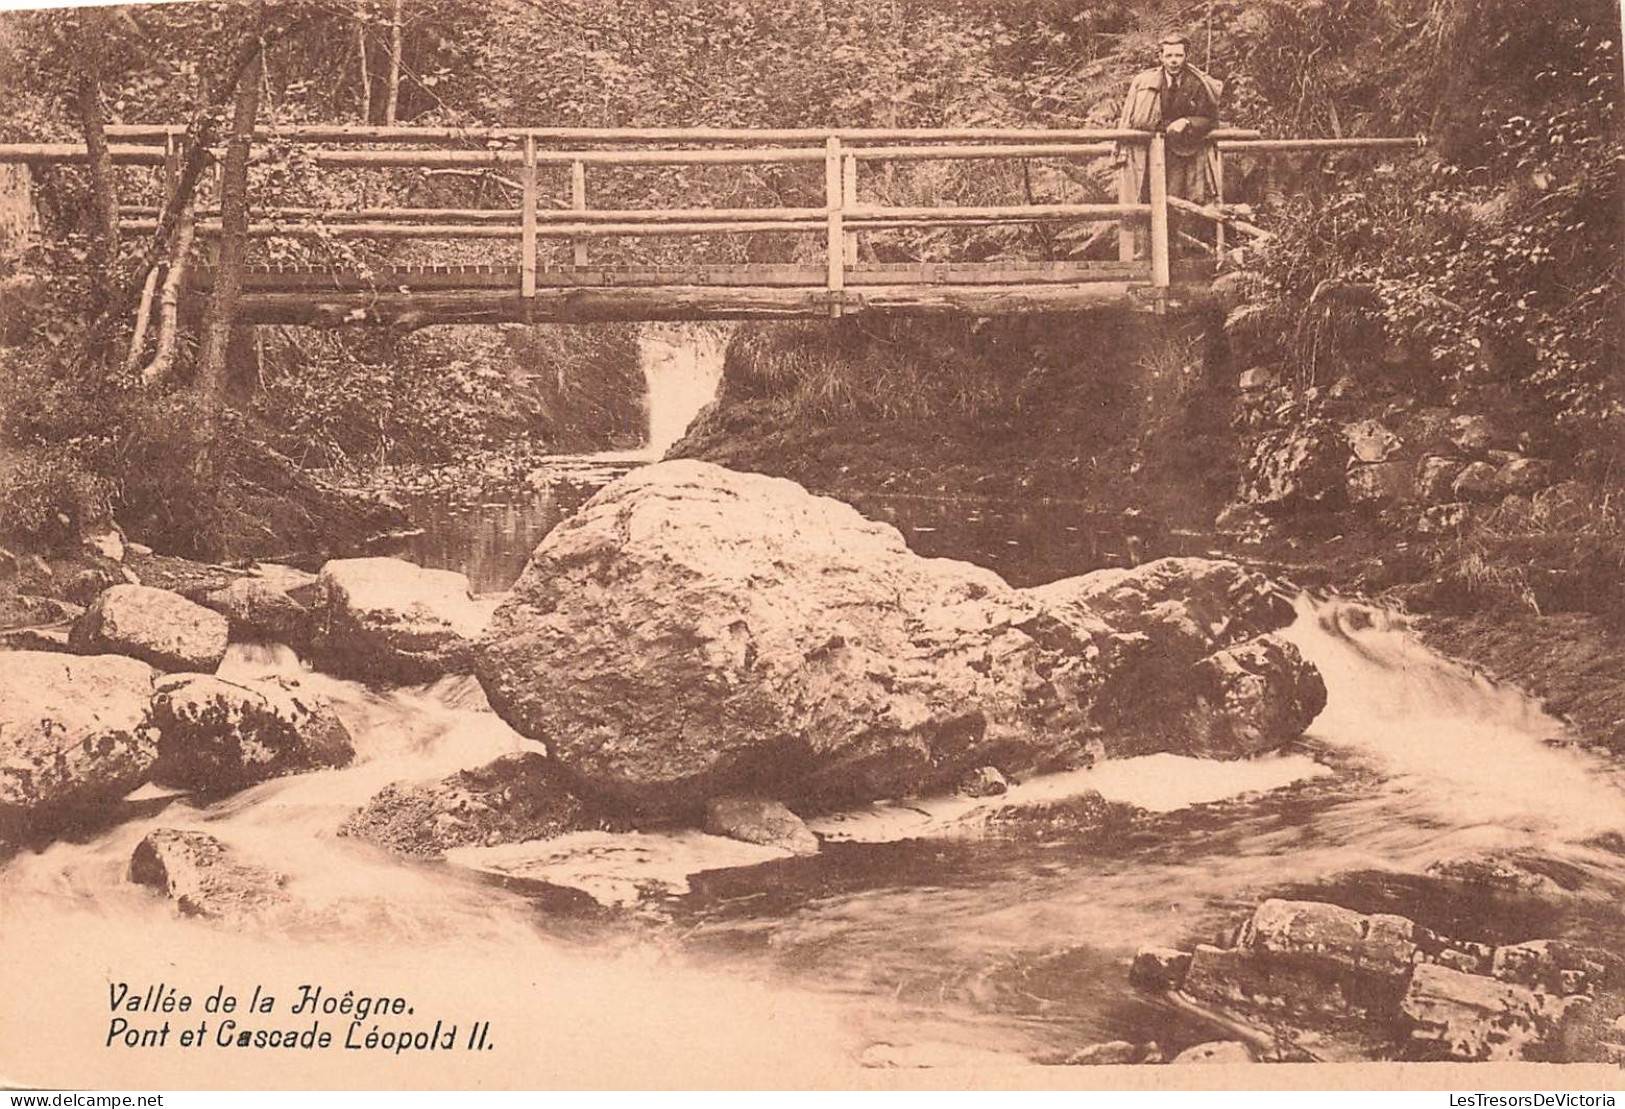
x: 417, y: 295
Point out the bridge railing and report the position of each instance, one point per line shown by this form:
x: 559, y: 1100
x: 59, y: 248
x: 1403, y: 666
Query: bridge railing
x: 845, y: 154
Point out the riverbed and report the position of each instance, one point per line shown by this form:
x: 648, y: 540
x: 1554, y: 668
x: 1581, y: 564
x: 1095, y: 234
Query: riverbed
x: 931, y: 932
x: 925, y: 933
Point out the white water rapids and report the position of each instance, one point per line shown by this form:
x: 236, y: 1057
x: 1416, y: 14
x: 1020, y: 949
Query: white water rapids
x: 790, y: 972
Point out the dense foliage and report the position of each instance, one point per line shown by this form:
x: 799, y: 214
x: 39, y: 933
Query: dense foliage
x: 1490, y: 263
x: 1492, y: 267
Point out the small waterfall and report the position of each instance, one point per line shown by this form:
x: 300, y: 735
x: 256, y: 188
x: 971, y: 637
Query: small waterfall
x: 682, y: 364
x: 1462, y: 752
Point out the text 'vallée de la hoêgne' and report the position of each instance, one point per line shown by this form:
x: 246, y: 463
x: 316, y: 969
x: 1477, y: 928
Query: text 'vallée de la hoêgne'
x: 160, y: 1015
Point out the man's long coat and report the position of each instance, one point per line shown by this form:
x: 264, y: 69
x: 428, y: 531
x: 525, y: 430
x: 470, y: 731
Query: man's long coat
x: 1193, y: 175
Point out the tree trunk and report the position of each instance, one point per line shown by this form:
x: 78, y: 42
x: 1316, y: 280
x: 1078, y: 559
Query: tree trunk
x: 169, y: 303
x: 143, y: 313
x: 243, y: 361
x: 366, y: 72
x: 103, y: 185
x: 228, y: 282
x: 197, y: 143
x: 394, y: 64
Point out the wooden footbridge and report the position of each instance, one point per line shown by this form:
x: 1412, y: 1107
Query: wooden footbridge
x: 543, y: 266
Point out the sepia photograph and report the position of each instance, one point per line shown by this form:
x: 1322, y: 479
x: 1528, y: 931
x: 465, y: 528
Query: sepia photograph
x: 812, y: 545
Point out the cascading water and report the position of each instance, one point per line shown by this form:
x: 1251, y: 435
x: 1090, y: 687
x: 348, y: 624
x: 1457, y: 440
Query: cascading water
x: 490, y: 541
x: 682, y: 365
x: 963, y: 945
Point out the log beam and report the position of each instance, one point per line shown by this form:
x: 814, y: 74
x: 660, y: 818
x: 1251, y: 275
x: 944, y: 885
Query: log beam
x: 421, y: 309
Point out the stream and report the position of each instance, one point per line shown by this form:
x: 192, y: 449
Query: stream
x: 918, y: 936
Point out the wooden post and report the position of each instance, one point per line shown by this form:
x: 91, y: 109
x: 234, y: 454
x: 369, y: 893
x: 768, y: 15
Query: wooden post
x: 172, y: 166
x: 849, y: 200
x: 835, y: 245
x: 1218, y: 185
x: 1126, y: 228
x: 578, y: 201
x: 527, y: 221
x: 1156, y: 167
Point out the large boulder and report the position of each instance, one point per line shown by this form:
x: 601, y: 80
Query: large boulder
x: 1195, y: 669
x: 1476, y: 482
x: 1472, y: 1018
x: 1428, y: 430
x: 1436, y: 478
x: 755, y: 820
x: 218, y: 736
x: 1475, y: 432
x: 1295, y: 468
x: 203, y: 876
x: 518, y: 797
x: 1524, y: 475
x: 1381, y: 483
x: 258, y: 610
x: 695, y: 632
x: 1250, y: 698
x: 1330, y: 936
x: 155, y: 626
x: 389, y: 620
x: 1186, y: 608
x: 1558, y: 968
x: 73, y: 733
x: 1159, y: 968
x: 1370, y: 441
x: 1315, y: 960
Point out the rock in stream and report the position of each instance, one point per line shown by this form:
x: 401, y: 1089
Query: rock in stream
x: 694, y: 632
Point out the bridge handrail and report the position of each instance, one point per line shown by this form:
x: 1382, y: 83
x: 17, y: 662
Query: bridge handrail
x: 140, y: 134
x: 841, y: 150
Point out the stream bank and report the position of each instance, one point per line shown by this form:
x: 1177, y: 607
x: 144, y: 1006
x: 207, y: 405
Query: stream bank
x: 944, y: 928
x: 1462, y: 512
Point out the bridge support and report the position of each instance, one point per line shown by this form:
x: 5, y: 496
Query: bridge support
x: 527, y: 221
x: 1156, y: 172
x: 696, y: 302
x: 835, y: 243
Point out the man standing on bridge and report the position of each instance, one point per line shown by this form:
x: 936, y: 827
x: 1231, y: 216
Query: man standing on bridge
x: 1182, y: 103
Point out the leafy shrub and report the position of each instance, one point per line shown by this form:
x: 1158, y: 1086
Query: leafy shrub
x: 873, y: 369
x: 173, y: 480
x: 1496, y: 270
x: 49, y: 498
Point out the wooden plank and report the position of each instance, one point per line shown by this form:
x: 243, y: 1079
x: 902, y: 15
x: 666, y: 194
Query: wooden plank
x: 513, y: 216
x: 272, y: 278
x: 849, y: 201
x: 320, y: 133
x: 432, y: 158
x: 578, y: 204
x: 527, y: 242
x: 1001, y: 273
x: 495, y: 231
x: 1000, y: 212
x: 360, y: 215
x: 63, y: 153
x: 677, y: 215
x: 1126, y: 194
x: 676, y: 303
x: 1263, y: 146
x: 1157, y: 173
x: 970, y: 152
x: 835, y: 241
x: 1218, y: 216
